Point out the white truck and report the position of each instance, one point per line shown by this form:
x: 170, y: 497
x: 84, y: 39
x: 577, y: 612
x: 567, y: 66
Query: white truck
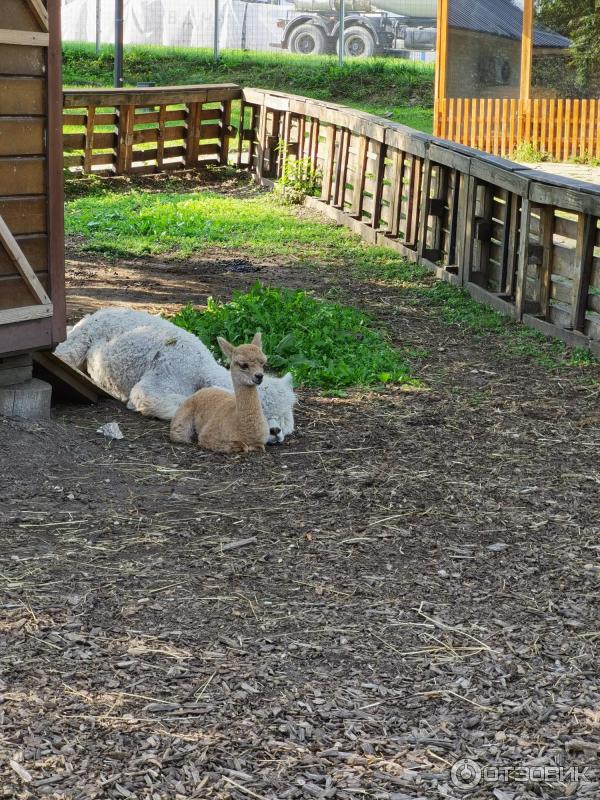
x: 392, y: 27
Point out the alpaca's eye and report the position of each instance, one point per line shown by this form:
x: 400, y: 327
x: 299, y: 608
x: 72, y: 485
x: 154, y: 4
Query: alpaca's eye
x: 243, y: 366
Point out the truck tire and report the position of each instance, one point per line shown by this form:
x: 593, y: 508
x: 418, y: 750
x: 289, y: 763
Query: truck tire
x: 359, y: 42
x: 307, y: 40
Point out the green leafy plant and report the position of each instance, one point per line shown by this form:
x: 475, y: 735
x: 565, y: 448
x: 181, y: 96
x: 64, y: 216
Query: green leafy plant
x: 322, y: 344
x: 580, y: 357
x: 299, y: 177
x: 528, y: 153
x: 587, y: 159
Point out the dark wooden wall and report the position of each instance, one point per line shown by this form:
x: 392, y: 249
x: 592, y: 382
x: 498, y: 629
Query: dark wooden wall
x: 32, y: 297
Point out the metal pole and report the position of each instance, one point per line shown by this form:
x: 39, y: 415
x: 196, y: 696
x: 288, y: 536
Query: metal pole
x: 98, y: 25
x: 216, y: 50
x: 119, y: 43
x: 342, y: 14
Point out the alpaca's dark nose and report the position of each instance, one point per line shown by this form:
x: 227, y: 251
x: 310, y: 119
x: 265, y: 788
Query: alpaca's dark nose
x: 258, y: 379
x: 274, y: 431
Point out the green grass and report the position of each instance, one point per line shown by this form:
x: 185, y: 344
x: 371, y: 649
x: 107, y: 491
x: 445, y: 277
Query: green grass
x: 138, y: 223
x: 414, y: 116
x: 586, y: 159
x: 178, y: 224
x: 323, y: 344
x: 399, y: 88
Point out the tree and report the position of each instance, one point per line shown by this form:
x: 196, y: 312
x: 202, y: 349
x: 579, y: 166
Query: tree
x: 580, y: 20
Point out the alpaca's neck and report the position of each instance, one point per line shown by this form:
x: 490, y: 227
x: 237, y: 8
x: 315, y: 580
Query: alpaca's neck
x: 249, y: 409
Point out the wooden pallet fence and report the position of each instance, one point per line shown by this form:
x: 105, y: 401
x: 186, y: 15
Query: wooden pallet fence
x: 525, y: 242
x: 562, y: 128
x: 142, y: 131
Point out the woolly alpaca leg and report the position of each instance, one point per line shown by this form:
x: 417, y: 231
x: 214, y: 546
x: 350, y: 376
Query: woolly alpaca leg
x: 182, y: 424
x: 75, y: 349
x: 208, y: 441
x: 147, y: 400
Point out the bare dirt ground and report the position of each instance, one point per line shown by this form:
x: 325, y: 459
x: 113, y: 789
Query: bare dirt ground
x: 410, y: 580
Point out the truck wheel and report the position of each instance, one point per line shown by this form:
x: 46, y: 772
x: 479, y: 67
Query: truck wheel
x: 358, y: 42
x: 307, y: 40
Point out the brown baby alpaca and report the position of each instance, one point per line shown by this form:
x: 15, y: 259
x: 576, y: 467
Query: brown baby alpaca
x: 224, y: 423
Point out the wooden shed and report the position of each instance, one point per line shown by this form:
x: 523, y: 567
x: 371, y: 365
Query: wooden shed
x: 32, y: 290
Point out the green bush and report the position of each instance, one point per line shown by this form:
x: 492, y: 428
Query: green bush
x: 299, y: 177
x: 528, y: 153
x: 322, y: 344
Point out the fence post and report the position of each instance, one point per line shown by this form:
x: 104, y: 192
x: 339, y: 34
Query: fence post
x: 587, y: 229
x: 397, y: 176
x: 441, y: 49
x: 414, y: 202
x: 89, y: 139
x: 328, y: 163
x: 421, y: 241
x: 261, y: 139
x: 381, y: 151
x: 341, y: 169
x: 526, y: 50
x: 160, y: 137
x: 125, y: 139
x: 546, y: 238
x: 192, y: 141
x: 253, y: 134
x: 523, y: 262
x: 225, y: 131
x: 359, y: 178
x: 509, y: 223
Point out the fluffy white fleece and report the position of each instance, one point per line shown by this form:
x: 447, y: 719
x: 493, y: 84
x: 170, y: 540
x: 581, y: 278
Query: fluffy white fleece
x: 153, y: 365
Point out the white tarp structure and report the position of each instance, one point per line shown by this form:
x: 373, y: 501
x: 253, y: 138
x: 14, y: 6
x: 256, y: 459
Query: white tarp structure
x: 177, y: 23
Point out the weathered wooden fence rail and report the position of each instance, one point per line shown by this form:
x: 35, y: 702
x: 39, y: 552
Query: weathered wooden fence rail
x: 525, y: 242
x: 140, y: 131
x: 563, y: 128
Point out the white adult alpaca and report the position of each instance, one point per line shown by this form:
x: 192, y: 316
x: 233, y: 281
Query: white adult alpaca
x: 153, y: 366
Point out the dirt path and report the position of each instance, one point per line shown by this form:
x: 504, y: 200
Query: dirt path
x: 579, y: 172
x: 412, y: 579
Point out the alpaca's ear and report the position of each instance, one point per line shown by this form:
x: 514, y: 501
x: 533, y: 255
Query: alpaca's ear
x: 257, y: 341
x: 226, y: 348
x: 288, y: 378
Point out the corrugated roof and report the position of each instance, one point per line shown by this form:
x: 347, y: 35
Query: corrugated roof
x: 501, y: 18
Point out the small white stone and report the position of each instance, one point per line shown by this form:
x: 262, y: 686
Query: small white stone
x: 111, y: 430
